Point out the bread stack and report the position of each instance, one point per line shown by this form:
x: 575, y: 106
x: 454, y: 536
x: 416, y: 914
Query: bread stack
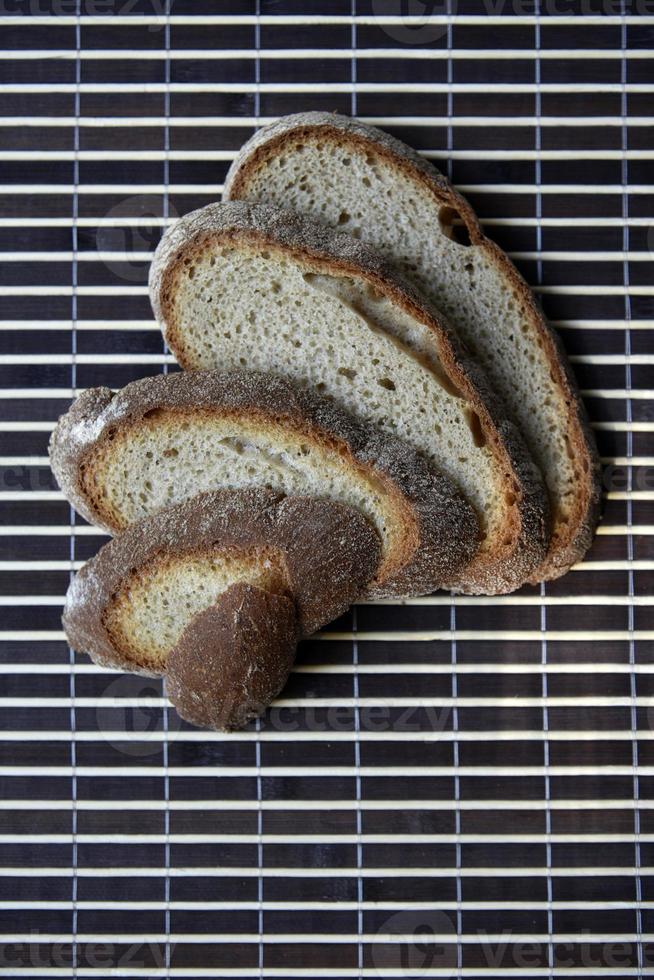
x: 371, y: 405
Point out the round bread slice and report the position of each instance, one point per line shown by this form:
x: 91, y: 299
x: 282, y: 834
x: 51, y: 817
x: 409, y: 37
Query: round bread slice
x: 217, y: 591
x: 357, y: 178
x: 233, y: 658
x: 119, y: 457
x: 235, y: 284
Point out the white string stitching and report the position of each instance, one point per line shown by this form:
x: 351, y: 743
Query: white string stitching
x: 166, y: 707
x: 72, y: 550
x: 355, y: 642
x: 633, y: 687
x: 543, y: 609
x: 260, y: 877
x: 453, y: 640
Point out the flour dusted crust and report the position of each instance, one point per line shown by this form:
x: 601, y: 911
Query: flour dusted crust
x: 328, y: 553
x: 520, y: 543
x: 233, y: 658
x: 438, y: 531
x: 569, y: 539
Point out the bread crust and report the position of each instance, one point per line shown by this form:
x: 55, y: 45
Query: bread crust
x: 437, y: 529
x: 233, y: 658
x: 519, y: 545
x: 568, y: 540
x: 328, y: 552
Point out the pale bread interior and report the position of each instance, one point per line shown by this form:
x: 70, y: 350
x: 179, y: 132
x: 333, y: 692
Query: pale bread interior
x: 251, y: 305
x: 358, y: 191
x: 171, y: 455
x: 147, y: 617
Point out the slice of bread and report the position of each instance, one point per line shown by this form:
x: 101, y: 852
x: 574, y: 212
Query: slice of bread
x: 371, y: 185
x: 216, y: 592
x: 119, y: 457
x: 235, y: 284
x: 233, y: 658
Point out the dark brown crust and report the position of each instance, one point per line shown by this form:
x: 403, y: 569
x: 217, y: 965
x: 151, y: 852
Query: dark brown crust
x: 438, y: 530
x: 324, y: 578
x: 520, y: 543
x: 233, y: 658
x: 568, y: 541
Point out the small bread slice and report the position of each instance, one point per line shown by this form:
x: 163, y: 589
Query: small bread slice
x: 233, y: 658
x: 119, y: 457
x: 350, y: 175
x: 216, y: 591
x: 234, y: 284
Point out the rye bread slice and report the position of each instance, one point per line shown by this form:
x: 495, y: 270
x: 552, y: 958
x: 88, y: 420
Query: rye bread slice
x: 215, y: 593
x: 119, y: 457
x: 235, y: 284
x: 348, y: 174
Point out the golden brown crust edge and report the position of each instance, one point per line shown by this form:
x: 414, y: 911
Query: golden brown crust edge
x: 520, y: 544
x: 437, y: 530
x: 568, y: 542
x: 328, y: 550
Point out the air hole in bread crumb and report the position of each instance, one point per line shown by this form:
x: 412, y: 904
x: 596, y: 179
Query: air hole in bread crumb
x: 347, y: 373
x: 343, y: 218
x: 453, y: 226
x: 474, y: 425
x: 386, y: 383
x: 170, y: 453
